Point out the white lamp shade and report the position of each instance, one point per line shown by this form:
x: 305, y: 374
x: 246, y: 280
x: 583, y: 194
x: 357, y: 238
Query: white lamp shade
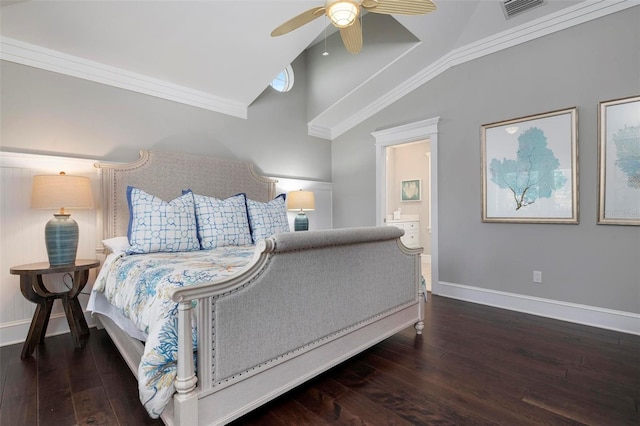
x: 61, y: 192
x: 342, y: 13
x: 301, y: 200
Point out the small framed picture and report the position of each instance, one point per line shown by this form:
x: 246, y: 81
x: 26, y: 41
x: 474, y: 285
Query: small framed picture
x: 530, y: 169
x: 410, y: 190
x: 619, y: 160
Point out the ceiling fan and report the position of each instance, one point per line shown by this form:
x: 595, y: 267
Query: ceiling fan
x: 343, y: 14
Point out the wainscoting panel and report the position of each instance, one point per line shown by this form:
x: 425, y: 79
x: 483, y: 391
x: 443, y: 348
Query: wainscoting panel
x: 22, y: 238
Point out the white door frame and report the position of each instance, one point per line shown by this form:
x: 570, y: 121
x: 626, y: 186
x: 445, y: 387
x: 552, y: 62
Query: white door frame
x: 412, y: 132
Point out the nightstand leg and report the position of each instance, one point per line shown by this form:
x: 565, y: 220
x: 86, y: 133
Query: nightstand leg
x: 75, y: 318
x: 38, y: 327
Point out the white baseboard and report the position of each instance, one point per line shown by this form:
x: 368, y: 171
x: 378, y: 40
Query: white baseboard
x: 16, y: 331
x: 626, y: 322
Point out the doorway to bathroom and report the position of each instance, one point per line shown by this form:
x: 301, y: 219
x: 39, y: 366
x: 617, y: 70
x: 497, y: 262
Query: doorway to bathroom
x: 406, y: 185
x: 408, y: 198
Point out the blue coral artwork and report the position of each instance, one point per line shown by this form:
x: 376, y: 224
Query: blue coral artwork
x: 529, y: 169
x: 533, y: 174
x: 619, y: 153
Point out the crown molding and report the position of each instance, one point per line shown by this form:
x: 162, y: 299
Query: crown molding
x: 319, y: 131
x: 17, y: 51
x: 39, y: 57
x: 561, y: 20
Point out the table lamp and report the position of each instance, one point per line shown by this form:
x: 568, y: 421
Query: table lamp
x: 61, y: 192
x: 301, y: 201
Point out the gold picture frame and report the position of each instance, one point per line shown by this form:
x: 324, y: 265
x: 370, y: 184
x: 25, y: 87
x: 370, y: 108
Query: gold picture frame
x: 619, y: 161
x: 530, y: 169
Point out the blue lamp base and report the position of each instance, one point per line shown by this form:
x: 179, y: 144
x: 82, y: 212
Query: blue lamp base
x: 301, y: 222
x: 61, y: 238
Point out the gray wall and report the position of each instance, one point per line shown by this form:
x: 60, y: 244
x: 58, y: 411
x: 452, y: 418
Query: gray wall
x: 330, y: 77
x: 48, y: 113
x: 589, y: 264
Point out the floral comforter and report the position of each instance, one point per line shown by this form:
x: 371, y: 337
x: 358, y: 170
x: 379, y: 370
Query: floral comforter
x: 138, y: 286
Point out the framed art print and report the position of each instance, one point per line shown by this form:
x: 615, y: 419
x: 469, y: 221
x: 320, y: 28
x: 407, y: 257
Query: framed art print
x: 619, y: 162
x: 410, y: 190
x: 530, y: 169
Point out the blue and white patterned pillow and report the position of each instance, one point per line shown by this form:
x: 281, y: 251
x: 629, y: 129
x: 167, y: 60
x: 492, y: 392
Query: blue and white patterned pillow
x: 222, y: 222
x: 266, y: 219
x: 159, y: 226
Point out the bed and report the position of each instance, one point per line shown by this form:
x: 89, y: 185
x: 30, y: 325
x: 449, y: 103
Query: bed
x: 262, y: 317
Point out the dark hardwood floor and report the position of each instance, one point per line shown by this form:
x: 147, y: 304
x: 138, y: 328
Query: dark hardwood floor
x: 473, y: 365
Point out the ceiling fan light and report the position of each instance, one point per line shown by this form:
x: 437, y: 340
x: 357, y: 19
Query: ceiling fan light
x: 342, y: 13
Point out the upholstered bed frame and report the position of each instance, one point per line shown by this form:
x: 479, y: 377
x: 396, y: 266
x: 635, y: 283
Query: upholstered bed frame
x: 306, y: 302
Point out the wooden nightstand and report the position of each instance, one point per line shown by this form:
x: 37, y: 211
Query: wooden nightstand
x: 33, y: 289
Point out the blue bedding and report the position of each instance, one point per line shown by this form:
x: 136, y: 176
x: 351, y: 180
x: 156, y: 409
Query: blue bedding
x: 138, y: 286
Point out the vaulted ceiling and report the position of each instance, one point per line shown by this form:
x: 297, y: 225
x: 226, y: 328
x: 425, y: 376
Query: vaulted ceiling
x: 219, y: 55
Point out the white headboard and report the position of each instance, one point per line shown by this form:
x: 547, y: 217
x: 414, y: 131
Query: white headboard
x: 166, y: 174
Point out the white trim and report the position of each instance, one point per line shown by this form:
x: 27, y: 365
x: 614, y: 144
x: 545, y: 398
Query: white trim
x: 16, y: 331
x: 291, y: 184
x: 288, y: 80
x: 320, y: 131
x: 626, y: 322
x: 411, y: 132
x: 33, y: 161
x: 561, y: 20
x: 407, y: 132
x: 51, y: 60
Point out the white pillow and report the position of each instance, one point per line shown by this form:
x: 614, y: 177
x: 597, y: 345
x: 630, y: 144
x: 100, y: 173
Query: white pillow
x: 266, y: 219
x: 117, y: 245
x: 156, y: 225
x: 222, y: 222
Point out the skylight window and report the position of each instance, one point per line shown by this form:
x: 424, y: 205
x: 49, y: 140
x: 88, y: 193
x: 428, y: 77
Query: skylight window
x: 284, y: 81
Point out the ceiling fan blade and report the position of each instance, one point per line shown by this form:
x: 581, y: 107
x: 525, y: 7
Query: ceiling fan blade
x: 352, y: 37
x: 298, y: 21
x: 399, y: 7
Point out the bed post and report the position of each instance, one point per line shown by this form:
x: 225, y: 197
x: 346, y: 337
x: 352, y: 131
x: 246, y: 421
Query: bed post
x: 186, y: 399
x: 422, y: 298
x: 419, y: 326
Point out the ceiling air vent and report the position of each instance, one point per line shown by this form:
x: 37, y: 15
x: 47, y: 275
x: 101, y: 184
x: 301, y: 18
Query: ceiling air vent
x: 512, y: 8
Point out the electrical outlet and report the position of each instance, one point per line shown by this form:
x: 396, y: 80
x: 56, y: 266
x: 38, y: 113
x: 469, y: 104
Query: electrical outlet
x: 537, y: 276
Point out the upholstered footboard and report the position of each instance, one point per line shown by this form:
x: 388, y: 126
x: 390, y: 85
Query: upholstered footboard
x: 307, y: 301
